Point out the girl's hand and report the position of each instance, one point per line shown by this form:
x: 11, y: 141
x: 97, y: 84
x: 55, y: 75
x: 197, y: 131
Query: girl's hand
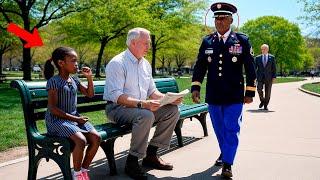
x: 82, y: 119
x: 86, y: 71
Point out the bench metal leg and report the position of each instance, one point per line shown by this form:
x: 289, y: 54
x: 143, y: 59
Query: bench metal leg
x: 108, y: 148
x: 177, y: 130
x: 33, y: 166
x: 64, y: 164
x: 203, y: 122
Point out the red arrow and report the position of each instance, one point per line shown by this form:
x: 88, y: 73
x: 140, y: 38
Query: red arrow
x: 32, y: 39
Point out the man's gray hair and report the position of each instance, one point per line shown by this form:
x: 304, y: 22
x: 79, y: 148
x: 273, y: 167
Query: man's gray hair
x: 265, y: 45
x: 135, y: 33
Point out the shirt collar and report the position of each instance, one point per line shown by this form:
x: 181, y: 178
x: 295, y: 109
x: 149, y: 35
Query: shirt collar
x: 226, y: 35
x: 132, y: 58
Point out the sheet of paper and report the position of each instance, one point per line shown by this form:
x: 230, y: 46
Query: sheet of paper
x: 170, y: 97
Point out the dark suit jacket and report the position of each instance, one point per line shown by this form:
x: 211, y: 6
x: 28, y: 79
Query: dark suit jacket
x: 268, y: 72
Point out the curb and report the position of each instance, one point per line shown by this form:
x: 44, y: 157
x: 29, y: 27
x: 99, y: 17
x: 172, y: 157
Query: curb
x: 309, y: 92
x: 13, y: 161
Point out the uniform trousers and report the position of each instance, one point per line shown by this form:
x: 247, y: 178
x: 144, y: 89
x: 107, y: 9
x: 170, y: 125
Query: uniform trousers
x: 226, y: 121
x: 142, y: 120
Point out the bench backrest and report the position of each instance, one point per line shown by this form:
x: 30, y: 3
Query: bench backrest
x: 34, y: 99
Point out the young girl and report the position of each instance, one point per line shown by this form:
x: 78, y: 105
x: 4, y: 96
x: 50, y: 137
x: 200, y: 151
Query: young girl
x: 62, y: 118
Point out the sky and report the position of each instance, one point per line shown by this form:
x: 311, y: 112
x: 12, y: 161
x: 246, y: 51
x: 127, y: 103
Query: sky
x: 252, y: 9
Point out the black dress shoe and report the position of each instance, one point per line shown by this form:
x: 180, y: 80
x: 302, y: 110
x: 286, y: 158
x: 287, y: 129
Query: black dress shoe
x: 261, y: 105
x: 266, y: 108
x: 156, y: 163
x: 219, y: 161
x: 134, y: 171
x: 226, y: 171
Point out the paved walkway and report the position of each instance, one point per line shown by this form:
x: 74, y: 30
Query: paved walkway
x: 279, y: 144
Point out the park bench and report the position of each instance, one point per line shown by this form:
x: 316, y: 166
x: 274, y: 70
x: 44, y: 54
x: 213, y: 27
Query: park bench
x: 41, y: 145
x: 2, y: 78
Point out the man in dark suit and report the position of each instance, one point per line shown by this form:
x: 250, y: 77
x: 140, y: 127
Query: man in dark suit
x: 222, y: 55
x: 266, y: 75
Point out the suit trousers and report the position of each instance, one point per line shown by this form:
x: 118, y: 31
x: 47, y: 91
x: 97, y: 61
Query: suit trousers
x: 266, y: 85
x: 226, y: 121
x: 142, y: 120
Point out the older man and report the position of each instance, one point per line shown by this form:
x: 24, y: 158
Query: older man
x: 266, y: 75
x: 223, y: 54
x: 132, y: 98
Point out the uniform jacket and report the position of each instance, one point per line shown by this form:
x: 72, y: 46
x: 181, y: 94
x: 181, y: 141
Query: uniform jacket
x: 224, y: 65
x: 269, y: 71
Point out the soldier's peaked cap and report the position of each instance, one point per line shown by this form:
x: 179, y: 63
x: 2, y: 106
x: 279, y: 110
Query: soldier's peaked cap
x: 222, y: 8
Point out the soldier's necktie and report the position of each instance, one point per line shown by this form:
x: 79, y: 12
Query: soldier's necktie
x: 221, y: 43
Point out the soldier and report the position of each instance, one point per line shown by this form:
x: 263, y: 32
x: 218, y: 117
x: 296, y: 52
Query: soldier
x: 223, y: 55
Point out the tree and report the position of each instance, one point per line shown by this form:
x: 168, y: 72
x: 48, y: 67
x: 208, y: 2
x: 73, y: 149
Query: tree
x: 165, y: 18
x: 284, y: 39
x: 313, y: 45
x: 6, y: 43
x: 108, y: 20
x: 312, y: 16
x: 35, y: 14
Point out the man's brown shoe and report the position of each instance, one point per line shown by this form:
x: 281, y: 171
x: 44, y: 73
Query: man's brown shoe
x: 156, y: 163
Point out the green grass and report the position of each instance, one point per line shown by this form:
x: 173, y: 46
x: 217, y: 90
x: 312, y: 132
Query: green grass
x: 313, y: 87
x: 185, y: 83
x: 12, y: 131
x: 288, y: 79
x: 12, y: 128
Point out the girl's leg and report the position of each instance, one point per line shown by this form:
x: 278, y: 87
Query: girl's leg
x: 80, y: 143
x: 93, y: 139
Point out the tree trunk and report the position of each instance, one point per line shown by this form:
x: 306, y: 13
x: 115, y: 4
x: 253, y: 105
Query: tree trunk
x: 102, y: 46
x: 154, y: 50
x: 1, y: 54
x: 281, y: 70
x: 26, y: 64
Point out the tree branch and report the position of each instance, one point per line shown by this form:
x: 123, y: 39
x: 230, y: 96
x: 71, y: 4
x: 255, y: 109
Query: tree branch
x: 44, y: 12
x: 4, y: 14
x: 44, y: 21
x: 30, y: 3
x: 119, y: 32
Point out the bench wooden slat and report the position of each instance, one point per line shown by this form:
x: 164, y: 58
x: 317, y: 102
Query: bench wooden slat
x: 42, y: 103
x: 37, y: 91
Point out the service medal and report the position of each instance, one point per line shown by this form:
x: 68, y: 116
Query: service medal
x: 209, y: 59
x: 234, y: 59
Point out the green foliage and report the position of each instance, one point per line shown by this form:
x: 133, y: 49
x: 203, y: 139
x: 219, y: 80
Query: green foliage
x: 311, y: 18
x: 284, y: 39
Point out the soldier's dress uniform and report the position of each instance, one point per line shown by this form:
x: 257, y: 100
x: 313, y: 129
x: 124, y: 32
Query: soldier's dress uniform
x: 223, y: 62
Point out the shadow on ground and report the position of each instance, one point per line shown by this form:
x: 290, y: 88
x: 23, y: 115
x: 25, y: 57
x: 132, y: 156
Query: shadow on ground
x: 100, y: 170
x: 259, y: 111
x: 207, y: 174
